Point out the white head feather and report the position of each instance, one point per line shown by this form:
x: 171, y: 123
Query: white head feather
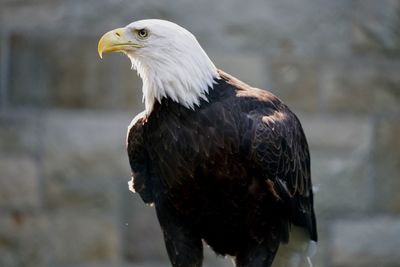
x: 171, y: 64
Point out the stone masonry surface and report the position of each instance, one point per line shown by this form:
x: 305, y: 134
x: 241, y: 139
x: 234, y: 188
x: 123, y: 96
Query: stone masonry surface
x: 64, y: 199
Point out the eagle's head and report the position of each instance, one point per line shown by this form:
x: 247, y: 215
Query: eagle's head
x: 167, y: 57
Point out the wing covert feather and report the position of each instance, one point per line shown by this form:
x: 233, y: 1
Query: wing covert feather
x: 280, y: 149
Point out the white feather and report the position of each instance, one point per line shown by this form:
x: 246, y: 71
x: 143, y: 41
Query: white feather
x: 298, y: 252
x: 171, y: 64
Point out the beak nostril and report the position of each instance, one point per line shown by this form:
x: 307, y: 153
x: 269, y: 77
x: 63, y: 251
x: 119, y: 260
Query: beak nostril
x: 117, y: 34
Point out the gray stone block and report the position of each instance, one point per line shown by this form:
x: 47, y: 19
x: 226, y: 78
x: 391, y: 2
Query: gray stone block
x: 143, y: 240
x: 360, y: 86
x: 20, y: 133
x: 340, y: 133
x: 65, y: 71
x: 57, y: 239
x: 83, y: 80
x: 368, y: 242
x: 250, y: 68
x: 375, y: 26
x: 23, y: 240
x: 343, y: 184
x: 28, y: 81
x: 19, y: 183
x: 111, y: 83
x: 295, y: 82
x: 387, y: 163
x: 82, y: 237
x: 84, y: 157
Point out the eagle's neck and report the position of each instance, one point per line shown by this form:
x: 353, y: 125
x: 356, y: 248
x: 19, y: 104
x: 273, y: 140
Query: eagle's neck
x: 185, y: 79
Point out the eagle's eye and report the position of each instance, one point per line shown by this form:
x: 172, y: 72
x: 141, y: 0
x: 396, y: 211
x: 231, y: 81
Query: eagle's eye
x: 142, y: 33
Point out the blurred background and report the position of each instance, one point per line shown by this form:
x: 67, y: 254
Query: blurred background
x: 64, y: 199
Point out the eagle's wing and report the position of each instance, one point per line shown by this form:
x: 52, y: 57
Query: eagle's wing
x: 275, y: 142
x: 138, y: 159
x: 280, y: 149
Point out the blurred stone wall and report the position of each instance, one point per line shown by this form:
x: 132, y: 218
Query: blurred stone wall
x: 64, y: 200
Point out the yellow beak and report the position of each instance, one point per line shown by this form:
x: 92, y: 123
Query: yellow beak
x: 116, y: 41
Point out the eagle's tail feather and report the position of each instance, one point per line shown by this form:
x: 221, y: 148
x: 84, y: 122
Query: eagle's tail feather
x: 298, y: 252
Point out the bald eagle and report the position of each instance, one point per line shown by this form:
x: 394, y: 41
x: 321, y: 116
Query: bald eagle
x: 222, y: 162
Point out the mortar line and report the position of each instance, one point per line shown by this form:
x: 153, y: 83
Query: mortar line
x: 4, y: 69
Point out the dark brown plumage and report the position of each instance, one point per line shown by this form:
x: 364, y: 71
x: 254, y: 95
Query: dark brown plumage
x: 234, y: 172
